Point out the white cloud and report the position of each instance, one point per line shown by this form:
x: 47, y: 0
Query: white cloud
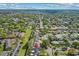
x: 2, y: 4
x: 77, y: 5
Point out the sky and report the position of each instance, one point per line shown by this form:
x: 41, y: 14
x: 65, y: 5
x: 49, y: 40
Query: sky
x: 39, y: 6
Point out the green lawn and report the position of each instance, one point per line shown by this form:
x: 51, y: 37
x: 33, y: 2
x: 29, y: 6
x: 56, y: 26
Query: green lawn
x: 43, y: 52
x: 1, y: 48
x: 25, y: 40
x: 31, y: 43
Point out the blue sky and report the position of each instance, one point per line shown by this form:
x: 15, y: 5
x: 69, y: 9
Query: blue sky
x: 39, y: 6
